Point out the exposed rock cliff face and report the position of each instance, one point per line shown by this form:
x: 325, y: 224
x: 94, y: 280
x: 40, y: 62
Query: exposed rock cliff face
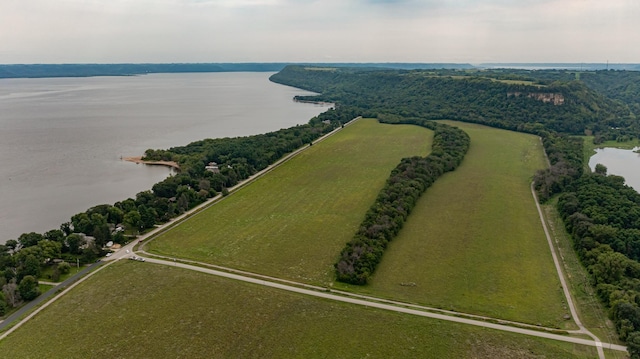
x: 554, y: 98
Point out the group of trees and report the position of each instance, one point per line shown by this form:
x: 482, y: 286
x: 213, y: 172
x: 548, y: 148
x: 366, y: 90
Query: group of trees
x: 565, y: 160
x: 603, y: 216
x: 22, y: 262
x: 395, y: 201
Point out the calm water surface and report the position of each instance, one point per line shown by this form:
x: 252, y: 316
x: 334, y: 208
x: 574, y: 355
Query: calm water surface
x: 61, y: 139
x: 625, y: 163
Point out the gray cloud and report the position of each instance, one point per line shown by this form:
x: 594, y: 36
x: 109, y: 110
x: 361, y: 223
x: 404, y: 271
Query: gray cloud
x: 313, y: 30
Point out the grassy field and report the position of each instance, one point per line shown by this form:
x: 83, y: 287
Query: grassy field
x: 141, y: 310
x: 293, y: 222
x: 508, y: 82
x: 474, y: 243
x: 517, y: 82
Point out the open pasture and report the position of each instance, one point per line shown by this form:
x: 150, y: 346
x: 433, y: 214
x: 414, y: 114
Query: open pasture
x: 474, y: 242
x: 141, y: 310
x: 293, y: 222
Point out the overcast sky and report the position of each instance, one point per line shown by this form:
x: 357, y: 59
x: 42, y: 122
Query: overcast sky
x: 462, y: 31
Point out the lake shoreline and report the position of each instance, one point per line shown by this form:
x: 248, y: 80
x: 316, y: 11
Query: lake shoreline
x: 110, y: 118
x: 138, y: 159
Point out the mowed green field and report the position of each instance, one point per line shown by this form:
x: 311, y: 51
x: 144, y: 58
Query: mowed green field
x: 293, y: 222
x: 474, y: 242
x: 141, y: 310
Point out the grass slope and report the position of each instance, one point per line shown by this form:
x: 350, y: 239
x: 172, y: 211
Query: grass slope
x: 293, y: 222
x: 474, y: 242
x: 140, y: 310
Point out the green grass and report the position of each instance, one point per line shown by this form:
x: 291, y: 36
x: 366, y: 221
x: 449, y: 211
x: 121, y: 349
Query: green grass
x: 508, y: 82
x: 517, y: 82
x: 47, y: 273
x: 44, y: 287
x: 474, y: 242
x: 330, y: 69
x: 294, y: 222
x: 141, y: 310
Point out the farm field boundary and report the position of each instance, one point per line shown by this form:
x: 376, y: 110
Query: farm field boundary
x: 474, y: 242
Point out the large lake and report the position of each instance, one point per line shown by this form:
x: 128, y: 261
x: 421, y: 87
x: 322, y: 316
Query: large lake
x: 625, y: 163
x: 61, y: 139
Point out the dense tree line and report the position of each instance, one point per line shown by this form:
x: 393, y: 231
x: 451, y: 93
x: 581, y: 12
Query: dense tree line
x: 603, y: 216
x: 565, y: 164
x: 395, y: 201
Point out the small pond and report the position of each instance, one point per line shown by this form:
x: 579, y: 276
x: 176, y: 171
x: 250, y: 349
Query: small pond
x: 625, y: 163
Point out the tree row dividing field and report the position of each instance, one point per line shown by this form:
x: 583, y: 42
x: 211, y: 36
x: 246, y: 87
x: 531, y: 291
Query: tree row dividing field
x: 407, y: 182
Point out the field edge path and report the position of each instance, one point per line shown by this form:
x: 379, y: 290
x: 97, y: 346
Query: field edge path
x: 563, y: 282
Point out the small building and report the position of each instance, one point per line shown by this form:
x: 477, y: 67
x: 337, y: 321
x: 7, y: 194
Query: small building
x: 212, y: 167
x: 86, y: 240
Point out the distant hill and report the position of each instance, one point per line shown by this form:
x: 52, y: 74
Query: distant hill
x: 501, y: 99
x: 563, y: 66
x: 124, y: 69
x: 86, y: 70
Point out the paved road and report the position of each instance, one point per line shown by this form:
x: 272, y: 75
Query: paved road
x: 46, y: 295
x: 354, y: 295
x: 367, y: 303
